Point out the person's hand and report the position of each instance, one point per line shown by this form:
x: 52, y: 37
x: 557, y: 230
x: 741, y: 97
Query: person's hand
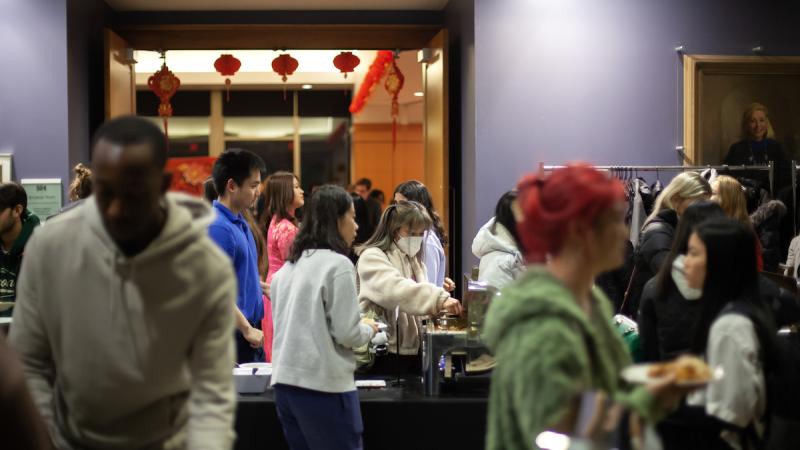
x: 371, y: 323
x: 452, y: 306
x: 449, y: 285
x: 254, y: 337
x: 667, y: 392
x: 264, y: 288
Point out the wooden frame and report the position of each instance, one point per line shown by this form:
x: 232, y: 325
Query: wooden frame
x: 301, y: 37
x: 695, y: 67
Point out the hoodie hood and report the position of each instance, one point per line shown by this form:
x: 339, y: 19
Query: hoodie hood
x: 188, y: 218
x: 501, y: 240
x: 537, y: 293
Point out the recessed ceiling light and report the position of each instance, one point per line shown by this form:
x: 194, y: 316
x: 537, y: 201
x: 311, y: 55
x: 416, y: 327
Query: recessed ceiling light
x: 419, y: 94
x: 307, y: 86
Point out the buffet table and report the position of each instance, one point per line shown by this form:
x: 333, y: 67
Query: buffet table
x: 395, y: 417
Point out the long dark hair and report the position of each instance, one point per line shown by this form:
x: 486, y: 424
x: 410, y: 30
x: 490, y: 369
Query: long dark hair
x: 417, y: 192
x: 320, y: 226
x: 695, y: 214
x: 278, y: 195
x: 731, y: 274
x: 504, y: 215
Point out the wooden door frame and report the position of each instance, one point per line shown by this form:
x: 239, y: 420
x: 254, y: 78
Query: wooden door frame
x: 261, y: 36
x: 307, y: 37
x: 695, y: 67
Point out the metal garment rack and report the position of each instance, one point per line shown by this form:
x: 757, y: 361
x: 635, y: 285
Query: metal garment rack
x: 795, y: 168
x: 770, y: 167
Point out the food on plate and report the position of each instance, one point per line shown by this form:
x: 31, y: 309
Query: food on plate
x: 685, y: 369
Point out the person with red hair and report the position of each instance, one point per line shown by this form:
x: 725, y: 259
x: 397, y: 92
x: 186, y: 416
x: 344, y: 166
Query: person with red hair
x: 551, y: 329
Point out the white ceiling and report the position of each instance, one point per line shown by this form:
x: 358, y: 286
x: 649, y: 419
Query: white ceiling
x: 275, y: 5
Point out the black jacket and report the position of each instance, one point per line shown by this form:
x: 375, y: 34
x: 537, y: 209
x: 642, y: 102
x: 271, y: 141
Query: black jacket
x: 666, y: 325
x: 745, y: 152
x: 654, y: 245
x: 767, y: 223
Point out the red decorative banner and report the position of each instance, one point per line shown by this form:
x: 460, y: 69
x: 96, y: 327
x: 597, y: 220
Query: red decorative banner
x: 189, y: 174
x: 373, y: 77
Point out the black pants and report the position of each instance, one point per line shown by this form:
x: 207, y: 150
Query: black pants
x: 392, y: 364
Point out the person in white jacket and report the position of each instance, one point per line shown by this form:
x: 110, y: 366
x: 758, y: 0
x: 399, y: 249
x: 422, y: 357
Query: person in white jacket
x: 498, y: 247
x: 393, y: 285
x: 317, y: 324
x: 124, y: 316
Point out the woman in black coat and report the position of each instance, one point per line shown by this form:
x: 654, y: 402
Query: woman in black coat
x: 658, y: 232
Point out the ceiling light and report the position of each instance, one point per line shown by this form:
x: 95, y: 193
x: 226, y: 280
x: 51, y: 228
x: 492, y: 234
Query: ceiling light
x: 419, y: 94
x: 307, y: 86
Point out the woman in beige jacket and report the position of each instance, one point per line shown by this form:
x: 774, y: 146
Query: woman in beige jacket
x: 392, y: 282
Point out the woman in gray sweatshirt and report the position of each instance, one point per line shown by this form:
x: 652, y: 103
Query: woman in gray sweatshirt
x: 317, y: 323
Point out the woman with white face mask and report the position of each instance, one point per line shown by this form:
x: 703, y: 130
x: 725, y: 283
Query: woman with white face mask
x: 668, y: 314
x: 393, y: 284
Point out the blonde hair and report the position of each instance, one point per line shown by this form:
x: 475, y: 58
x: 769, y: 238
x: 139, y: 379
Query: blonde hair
x: 748, y: 114
x: 81, y: 185
x: 730, y: 197
x: 406, y: 213
x: 685, y: 185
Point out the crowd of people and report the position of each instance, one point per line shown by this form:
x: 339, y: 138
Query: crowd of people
x: 133, y: 304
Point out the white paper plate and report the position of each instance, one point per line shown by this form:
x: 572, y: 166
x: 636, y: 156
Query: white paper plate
x: 637, y: 374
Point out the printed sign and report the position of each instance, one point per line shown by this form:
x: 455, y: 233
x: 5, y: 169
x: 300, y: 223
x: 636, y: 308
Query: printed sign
x: 44, y: 196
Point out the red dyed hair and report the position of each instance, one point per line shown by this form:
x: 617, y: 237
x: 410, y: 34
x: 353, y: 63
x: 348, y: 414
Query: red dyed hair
x: 576, y: 193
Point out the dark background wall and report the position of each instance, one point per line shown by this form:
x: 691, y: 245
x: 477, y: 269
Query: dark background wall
x: 86, y: 20
x: 557, y: 81
x: 33, y: 87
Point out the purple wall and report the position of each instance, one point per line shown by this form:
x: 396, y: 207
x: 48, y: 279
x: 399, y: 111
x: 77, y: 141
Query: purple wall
x: 566, y: 80
x: 33, y: 97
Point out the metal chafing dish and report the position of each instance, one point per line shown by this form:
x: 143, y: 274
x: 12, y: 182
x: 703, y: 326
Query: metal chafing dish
x: 452, y: 349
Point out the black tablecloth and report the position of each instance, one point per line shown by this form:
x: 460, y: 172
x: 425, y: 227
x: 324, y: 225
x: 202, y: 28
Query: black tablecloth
x: 395, y: 417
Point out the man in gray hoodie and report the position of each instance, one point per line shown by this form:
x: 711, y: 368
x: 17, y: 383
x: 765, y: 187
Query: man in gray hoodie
x: 125, y: 309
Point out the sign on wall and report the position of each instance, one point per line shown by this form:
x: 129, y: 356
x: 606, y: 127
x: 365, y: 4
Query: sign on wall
x: 44, y: 195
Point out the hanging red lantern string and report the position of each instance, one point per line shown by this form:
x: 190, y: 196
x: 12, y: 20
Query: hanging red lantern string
x: 393, y: 84
x: 164, y: 84
x: 372, y: 77
x: 284, y: 65
x: 227, y: 66
x: 346, y: 62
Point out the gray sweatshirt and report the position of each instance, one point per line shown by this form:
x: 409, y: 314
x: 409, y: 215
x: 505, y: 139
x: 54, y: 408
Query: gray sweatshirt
x: 317, y: 323
x: 129, y: 352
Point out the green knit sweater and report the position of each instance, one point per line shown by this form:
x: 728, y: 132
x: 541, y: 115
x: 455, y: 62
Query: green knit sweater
x: 540, y: 338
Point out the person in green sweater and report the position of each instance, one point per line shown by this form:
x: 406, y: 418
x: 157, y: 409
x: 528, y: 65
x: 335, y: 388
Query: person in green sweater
x: 551, y: 330
x: 16, y: 227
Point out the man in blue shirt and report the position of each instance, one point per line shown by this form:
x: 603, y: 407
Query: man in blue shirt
x: 237, y: 176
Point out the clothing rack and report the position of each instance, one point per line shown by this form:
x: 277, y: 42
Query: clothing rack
x: 770, y: 167
x: 795, y: 168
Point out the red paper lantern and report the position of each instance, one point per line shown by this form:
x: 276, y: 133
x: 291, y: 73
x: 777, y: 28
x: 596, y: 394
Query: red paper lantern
x: 346, y: 62
x: 227, y: 66
x: 164, y: 84
x: 284, y: 65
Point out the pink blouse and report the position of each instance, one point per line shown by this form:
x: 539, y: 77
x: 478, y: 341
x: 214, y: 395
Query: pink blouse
x: 280, y: 237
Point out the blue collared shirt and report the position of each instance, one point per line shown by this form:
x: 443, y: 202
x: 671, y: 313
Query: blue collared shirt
x: 233, y: 236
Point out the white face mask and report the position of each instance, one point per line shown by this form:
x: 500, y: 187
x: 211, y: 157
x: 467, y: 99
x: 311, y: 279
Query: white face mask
x: 679, y: 278
x: 410, y: 245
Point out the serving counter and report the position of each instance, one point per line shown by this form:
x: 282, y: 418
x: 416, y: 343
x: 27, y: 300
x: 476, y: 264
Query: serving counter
x: 395, y: 417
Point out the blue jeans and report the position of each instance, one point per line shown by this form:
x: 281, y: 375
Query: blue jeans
x: 314, y: 420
